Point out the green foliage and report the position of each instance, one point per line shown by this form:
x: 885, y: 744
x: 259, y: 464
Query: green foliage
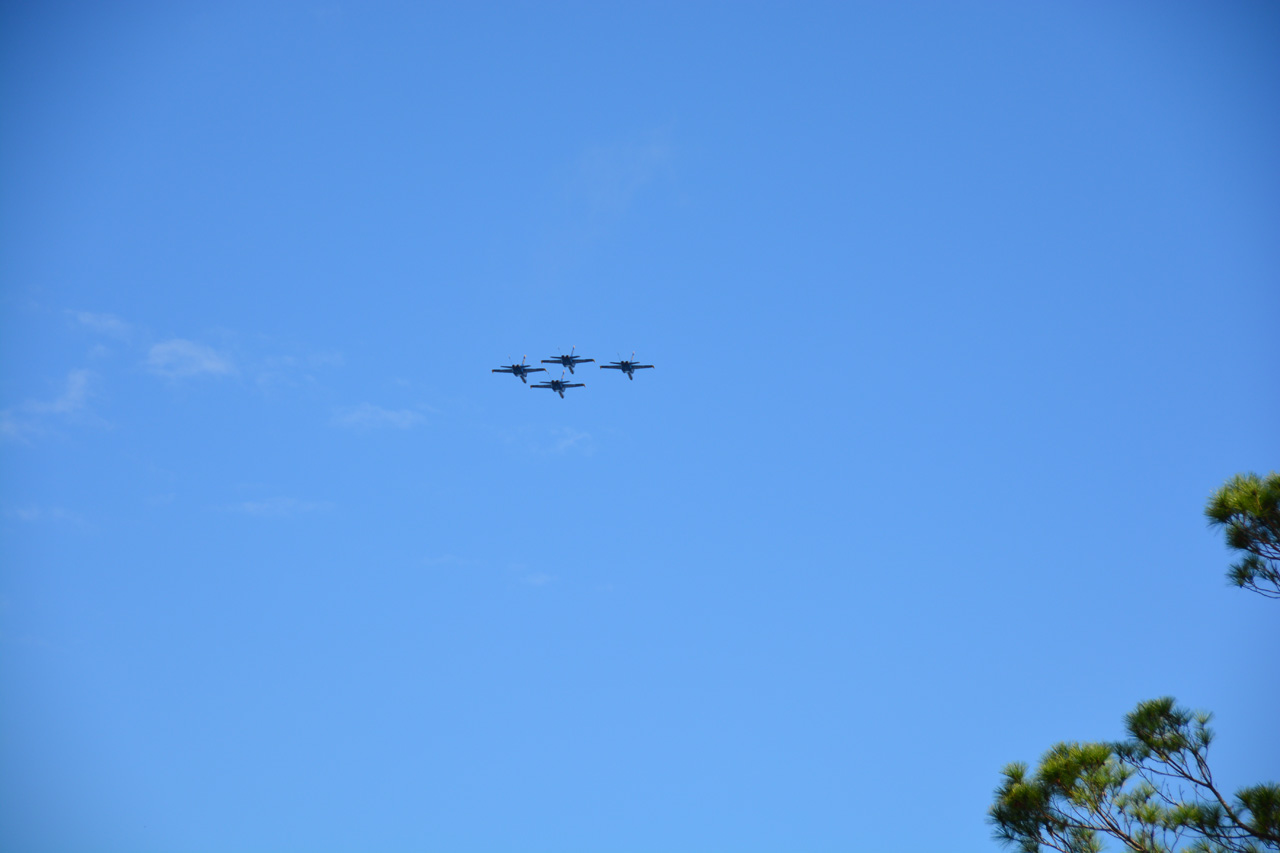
x: 1153, y: 792
x: 1248, y: 506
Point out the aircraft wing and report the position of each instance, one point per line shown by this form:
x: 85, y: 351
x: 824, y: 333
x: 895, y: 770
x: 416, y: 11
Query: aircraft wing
x: 582, y: 360
x: 576, y: 385
x: 540, y: 385
x: 639, y: 366
x: 551, y: 361
x: 503, y: 370
x: 611, y: 367
x: 535, y: 370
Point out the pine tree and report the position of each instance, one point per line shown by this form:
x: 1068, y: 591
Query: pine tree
x: 1248, y: 506
x: 1154, y: 792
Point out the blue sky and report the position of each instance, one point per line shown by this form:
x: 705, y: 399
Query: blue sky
x: 959, y: 313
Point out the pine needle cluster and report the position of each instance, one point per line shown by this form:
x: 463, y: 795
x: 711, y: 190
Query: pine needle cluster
x: 1248, y: 507
x: 1153, y: 792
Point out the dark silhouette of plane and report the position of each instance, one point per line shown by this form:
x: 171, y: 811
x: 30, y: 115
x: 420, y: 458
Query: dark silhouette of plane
x: 558, y: 385
x: 567, y: 360
x: 521, y: 370
x: 627, y: 367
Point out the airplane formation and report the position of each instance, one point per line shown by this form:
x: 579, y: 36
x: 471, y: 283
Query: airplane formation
x: 570, y: 361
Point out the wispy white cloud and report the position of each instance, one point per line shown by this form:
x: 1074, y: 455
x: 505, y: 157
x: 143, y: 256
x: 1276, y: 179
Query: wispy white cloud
x: 447, y: 560
x: 178, y: 357
x: 544, y: 441
x: 567, y: 438
x: 523, y: 573
x: 71, y: 400
x: 19, y: 421
x: 105, y: 324
x: 10, y: 428
x: 369, y: 416
x: 600, y: 187
x: 37, y: 514
x: 280, y: 507
x: 284, y: 370
x: 182, y: 357
x: 609, y: 178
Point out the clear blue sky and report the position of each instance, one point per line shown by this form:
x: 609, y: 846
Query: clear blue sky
x: 959, y: 312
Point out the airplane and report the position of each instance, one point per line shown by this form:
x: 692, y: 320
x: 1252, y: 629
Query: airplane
x: 522, y: 370
x: 627, y: 367
x: 558, y: 385
x: 567, y: 360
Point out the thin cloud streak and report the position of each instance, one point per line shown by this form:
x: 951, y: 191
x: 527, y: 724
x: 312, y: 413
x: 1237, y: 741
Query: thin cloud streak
x: 369, y: 416
x: 35, y: 514
x: 178, y: 358
x: 601, y: 187
x: 17, y: 422
x: 277, y: 371
x: 447, y: 560
x: 280, y: 507
x: 106, y: 324
x: 610, y: 178
x: 570, y: 438
x: 72, y: 399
